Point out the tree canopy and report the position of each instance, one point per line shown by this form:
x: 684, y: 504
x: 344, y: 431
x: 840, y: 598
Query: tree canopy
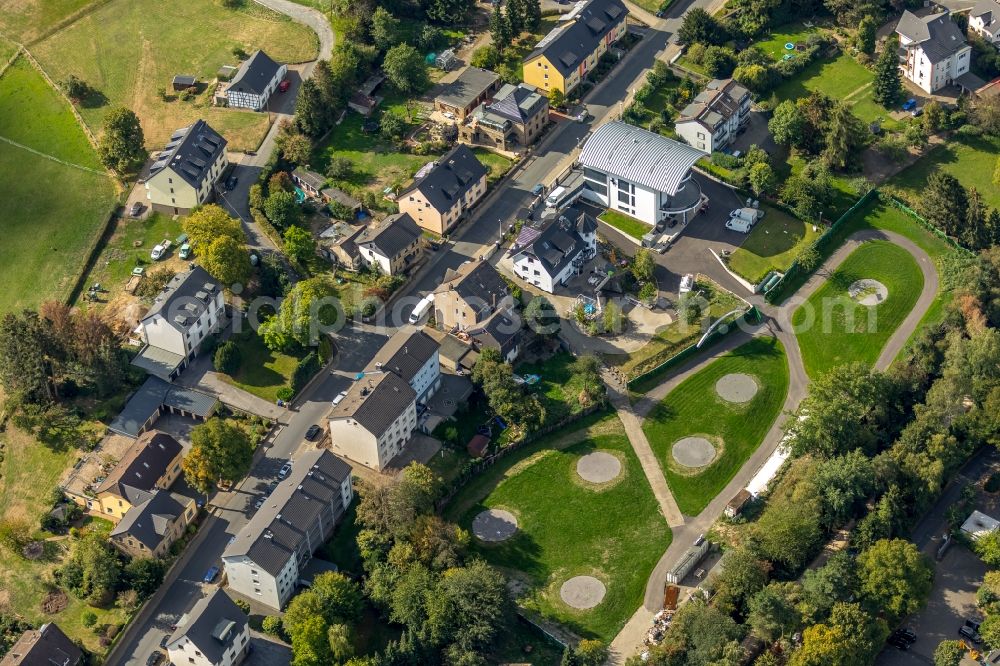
x: 220, y: 451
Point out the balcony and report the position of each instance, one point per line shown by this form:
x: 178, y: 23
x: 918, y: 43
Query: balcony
x: 686, y: 199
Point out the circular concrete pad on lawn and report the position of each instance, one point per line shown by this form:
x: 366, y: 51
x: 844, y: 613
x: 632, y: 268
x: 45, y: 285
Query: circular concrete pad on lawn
x: 582, y: 592
x: 693, y: 452
x: 736, y: 387
x: 494, y: 525
x: 868, y: 292
x: 598, y: 467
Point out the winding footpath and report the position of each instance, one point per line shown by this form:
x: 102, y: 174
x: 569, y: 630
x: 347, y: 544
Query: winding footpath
x: 776, y: 323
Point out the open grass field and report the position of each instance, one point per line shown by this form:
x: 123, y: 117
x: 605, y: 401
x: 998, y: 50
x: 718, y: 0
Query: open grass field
x: 7, y: 50
x: 127, y: 52
x: 48, y: 230
x: 558, y: 387
x: 262, y: 371
x: 774, y: 45
x: 833, y: 329
x: 625, y: 224
x: 970, y: 159
x: 772, y: 245
x: 27, y: 20
x: 28, y: 473
x: 695, y: 409
x: 567, y: 527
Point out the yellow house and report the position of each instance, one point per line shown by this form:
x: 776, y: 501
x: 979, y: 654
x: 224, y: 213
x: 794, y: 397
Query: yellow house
x: 564, y: 56
x: 152, y: 463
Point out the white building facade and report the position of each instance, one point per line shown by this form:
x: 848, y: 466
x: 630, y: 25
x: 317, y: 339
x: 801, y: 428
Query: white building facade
x: 641, y: 174
x: 933, y: 53
x: 984, y: 20
x: 215, y: 633
x: 255, y: 81
x: 373, y: 423
x: 184, y: 174
x: 549, y: 255
x: 714, y: 117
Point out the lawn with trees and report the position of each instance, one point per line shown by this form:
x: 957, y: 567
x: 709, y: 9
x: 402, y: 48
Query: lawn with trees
x: 125, y: 70
x: 694, y: 408
x: 773, y: 244
x: 42, y: 253
x: 970, y: 159
x: 260, y: 371
x: 833, y: 329
x: 567, y: 527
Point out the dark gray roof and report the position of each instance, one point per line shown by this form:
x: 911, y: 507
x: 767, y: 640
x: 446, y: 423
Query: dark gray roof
x: 477, y: 283
x: 254, y: 74
x: 375, y: 402
x: 558, y: 241
x: 452, y: 176
x: 46, y: 646
x: 212, y: 625
x: 278, y: 527
x: 185, y: 298
x: 518, y: 103
x: 145, y: 462
x: 158, y: 361
x: 310, y: 178
x: 937, y: 34
x: 570, y: 42
x: 469, y: 85
x: 151, y: 396
x: 190, y: 153
x: 639, y: 156
x: 405, y: 353
x: 719, y: 101
x: 149, y: 522
x: 988, y: 10
x: 499, y: 332
x: 392, y: 235
x: 184, y: 80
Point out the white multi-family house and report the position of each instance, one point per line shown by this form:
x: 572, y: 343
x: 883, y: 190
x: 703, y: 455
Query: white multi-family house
x: 189, y: 309
x: 392, y: 245
x: 984, y: 20
x: 373, y: 422
x: 185, y: 172
x: 644, y: 175
x: 255, y: 81
x: 216, y: 632
x: 713, y: 118
x: 264, y: 561
x: 549, y: 253
x: 933, y: 52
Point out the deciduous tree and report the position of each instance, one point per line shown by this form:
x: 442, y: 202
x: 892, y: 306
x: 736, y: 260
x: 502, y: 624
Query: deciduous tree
x: 895, y: 578
x: 228, y: 261
x: 299, y: 244
x: 209, y: 222
x: 220, y: 451
x: 122, y: 145
x: 405, y: 68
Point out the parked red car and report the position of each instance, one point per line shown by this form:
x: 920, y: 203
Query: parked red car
x: 284, y: 85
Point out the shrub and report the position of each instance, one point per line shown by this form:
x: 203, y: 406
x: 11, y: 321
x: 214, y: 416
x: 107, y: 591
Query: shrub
x: 228, y: 358
x: 696, y: 53
x: 89, y: 619
x: 243, y: 605
x: 285, y: 393
x: 271, y: 625
x: 304, y: 371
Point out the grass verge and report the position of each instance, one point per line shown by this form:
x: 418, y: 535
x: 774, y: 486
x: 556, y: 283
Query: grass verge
x: 695, y: 409
x: 625, y: 224
x: 772, y: 245
x: 833, y: 329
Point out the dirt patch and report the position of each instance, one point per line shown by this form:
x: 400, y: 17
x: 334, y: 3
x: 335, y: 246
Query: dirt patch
x: 868, y: 292
x: 54, y: 602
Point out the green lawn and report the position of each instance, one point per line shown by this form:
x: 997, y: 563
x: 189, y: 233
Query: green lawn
x: 128, y: 247
x: 496, y: 165
x: 377, y: 162
x: 28, y: 473
x: 7, y: 50
x: 695, y: 409
x: 566, y: 528
x: 626, y: 224
x: 970, y: 159
x: 127, y: 52
x: 772, y: 245
x: 832, y: 329
x: 262, y: 371
x: 843, y: 78
x: 48, y: 231
x: 558, y: 387
x: 774, y: 45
